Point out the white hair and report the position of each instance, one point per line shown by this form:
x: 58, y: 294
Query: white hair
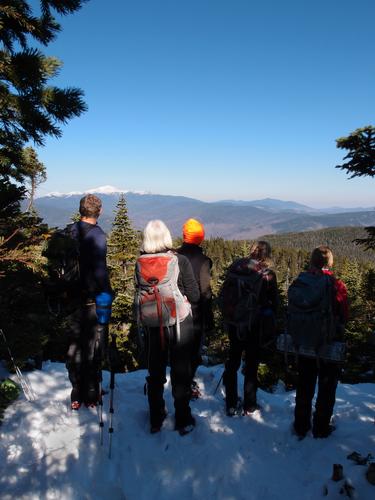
x: 156, y: 237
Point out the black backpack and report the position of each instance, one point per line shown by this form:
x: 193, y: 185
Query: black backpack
x: 311, y: 321
x: 62, y: 251
x: 239, y: 296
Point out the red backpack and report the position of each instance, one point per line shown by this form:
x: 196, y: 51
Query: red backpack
x: 159, y: 301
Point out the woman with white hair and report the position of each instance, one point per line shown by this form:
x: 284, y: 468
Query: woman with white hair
x: 165, y: 287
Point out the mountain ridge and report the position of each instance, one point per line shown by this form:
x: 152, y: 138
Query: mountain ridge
x: 227, y: 219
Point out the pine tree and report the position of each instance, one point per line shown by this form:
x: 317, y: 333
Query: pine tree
x: 123, y: 247
x: 35, y: 172
x: 30, y: 108
x: 360, y: 162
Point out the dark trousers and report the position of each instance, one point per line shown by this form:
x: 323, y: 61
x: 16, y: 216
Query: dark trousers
x: 179, y: 356
x: 308, y: 373
x: 196, y: 357
x: 250, y: 344
x: 84, y: 353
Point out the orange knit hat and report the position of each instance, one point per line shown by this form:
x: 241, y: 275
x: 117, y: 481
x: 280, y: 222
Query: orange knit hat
x: 193, y: 232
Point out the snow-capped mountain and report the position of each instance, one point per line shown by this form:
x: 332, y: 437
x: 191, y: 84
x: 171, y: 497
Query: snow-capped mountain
x: 228, y: 219
x: 99, y: 190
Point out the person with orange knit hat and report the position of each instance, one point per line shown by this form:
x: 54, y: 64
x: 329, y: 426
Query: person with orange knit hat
x: 193, y: 235
x: 193, y: 232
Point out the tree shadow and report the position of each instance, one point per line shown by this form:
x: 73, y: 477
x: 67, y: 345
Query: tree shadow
x: 48, y: 451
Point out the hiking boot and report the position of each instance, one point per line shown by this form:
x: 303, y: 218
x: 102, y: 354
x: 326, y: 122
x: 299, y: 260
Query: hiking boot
x: 249, y: 410
x: 75, y: 405
x: 75, y: 394
x: 91, y: 405
x: 299, y: 433
x: 323, y: 433
x: 92, y: 398
x: 186, y: 429
x: 158, y: 424
x: 233, y: 411
x: 195, y: 393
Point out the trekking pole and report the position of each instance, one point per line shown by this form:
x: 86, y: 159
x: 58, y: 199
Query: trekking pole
x: 286, y: 361
x: 99, y: 347
x: 26, y: 387
x: 103, y: 303
x: 113, y: 363
x: 218, y: 384
x: 101, y: 423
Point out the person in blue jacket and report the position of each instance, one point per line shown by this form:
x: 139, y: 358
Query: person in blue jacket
x: 85, y: 345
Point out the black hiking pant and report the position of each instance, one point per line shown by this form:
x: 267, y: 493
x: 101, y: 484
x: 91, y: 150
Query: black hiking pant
x: 196, y: 357
x: 84, y: 353
x: 250, y: 344
x: 308, y: 373
x: 178, y: 354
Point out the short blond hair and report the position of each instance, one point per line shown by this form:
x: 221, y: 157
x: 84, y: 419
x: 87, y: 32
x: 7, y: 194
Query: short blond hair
x: 321, y: 256
x: 156, y: 237
x: 90, y: 206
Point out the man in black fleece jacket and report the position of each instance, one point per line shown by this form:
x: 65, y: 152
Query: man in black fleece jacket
x: 193, y: 235
x: 83, y: 362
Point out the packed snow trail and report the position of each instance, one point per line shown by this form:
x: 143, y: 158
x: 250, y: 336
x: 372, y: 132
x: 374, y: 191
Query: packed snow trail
x: 49, y: 452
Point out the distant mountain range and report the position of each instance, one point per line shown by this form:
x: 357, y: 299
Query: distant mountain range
x: 228, y: 218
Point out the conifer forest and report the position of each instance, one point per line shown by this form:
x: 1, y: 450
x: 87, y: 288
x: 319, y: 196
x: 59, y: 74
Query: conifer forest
x: 36, y: 332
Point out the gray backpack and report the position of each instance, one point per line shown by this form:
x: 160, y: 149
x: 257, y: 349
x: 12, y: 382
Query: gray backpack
x: 311, y: 321
x: 159, y: 301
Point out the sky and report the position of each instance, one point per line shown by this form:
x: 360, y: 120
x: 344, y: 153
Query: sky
x: 216, y: 99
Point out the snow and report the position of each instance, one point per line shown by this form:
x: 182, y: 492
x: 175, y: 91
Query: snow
x: 49, y: 452
x: 99, y: 190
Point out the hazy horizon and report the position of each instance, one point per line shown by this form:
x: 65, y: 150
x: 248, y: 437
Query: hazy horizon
x: 108, y: 189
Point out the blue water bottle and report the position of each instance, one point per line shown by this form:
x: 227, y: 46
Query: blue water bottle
x: 103, y: 307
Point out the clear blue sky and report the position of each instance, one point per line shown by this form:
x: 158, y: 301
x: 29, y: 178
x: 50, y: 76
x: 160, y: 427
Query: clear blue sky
x: 216, y: 99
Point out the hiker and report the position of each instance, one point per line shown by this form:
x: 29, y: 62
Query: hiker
x: 249, y: 301
x: 311, y: 369
x: 193, y: 235
x: 85, y: 345
x: 165, y: 288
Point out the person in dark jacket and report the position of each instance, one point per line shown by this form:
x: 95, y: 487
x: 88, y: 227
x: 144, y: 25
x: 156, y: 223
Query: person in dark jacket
x: 327, y: 373
x: 83, y: 357
x: 249, y: 339
x: 166, y: 345
x: 193, y: 235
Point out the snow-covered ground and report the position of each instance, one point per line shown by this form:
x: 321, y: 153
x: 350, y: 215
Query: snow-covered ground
x: 49, y: 452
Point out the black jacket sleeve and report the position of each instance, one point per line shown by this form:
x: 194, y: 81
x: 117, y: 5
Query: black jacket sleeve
x: 186, y: 280
x: 269, y: 296
x: 205, y: 280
